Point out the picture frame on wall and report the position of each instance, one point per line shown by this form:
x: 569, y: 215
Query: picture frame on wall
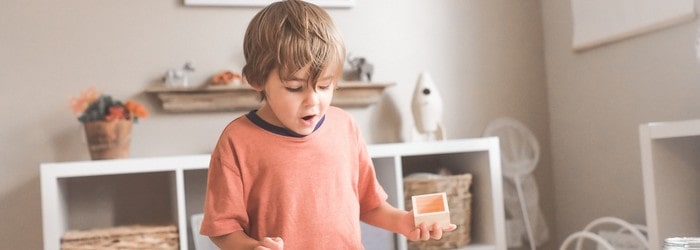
x: 624, y: 19
x: 261, y: 3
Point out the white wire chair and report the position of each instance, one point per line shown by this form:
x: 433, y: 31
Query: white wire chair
x: 520, y: 153
x: 638, y: 231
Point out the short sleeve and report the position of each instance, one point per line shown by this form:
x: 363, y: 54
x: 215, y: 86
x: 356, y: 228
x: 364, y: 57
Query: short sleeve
x: 370, y: 191
x: 224, y: 205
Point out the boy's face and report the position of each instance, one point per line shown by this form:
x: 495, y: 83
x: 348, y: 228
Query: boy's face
x: 293, y: 103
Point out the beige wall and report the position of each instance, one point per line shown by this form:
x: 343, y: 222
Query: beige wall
x: 597, y: 99
x: 485, y: 56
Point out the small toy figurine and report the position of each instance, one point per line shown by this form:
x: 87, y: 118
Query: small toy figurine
x: 427, y: 110
x: 178, y: 78
x: 362, y: 68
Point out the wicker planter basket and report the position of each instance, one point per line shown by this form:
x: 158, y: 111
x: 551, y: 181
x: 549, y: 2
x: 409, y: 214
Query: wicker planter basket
x: 459, y: 201
x: 123, y: 237
x: 108, y: 140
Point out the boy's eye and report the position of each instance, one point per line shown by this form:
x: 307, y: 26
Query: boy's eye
x: 293, y: 89
x: 293, y: 85
x: 325, y: 85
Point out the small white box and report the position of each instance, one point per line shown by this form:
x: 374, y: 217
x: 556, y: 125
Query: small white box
x: 430, y: 209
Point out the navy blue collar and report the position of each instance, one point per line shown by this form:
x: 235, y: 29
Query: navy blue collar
x: 253, y: 117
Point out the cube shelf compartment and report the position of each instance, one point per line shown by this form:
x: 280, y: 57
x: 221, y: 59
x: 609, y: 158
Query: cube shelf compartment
x: 670, y: 172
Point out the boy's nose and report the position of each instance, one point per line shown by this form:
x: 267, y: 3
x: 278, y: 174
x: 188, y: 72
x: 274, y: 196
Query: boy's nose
x: 311, y: 97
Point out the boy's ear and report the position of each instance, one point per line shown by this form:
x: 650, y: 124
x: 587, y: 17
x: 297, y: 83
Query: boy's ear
x: 257, y: 87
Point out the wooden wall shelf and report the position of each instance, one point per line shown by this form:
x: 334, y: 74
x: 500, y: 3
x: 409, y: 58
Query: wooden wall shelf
x: 243, y: 97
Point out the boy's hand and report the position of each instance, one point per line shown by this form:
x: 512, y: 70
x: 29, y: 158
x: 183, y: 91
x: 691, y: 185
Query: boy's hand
x: 435, y: 232
x: 422, y: 232
x: 271, y: 243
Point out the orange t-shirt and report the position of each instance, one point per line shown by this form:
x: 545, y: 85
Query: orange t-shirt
x: 308, y: 190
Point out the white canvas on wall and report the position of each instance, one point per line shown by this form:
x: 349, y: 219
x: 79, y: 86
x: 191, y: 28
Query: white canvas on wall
x: 262, y: 3
x: 598, y: 22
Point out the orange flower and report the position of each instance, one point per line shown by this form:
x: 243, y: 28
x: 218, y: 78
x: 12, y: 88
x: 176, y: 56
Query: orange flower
x: 136, y: 110
x: 80, y: 103
x: 91, y: 105
x: 115, y: 113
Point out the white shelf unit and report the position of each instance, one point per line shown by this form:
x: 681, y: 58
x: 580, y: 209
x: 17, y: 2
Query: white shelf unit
x: 671, y: 173
x: 93, y: 194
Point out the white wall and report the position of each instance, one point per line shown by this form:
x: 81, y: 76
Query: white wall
x: 485, y: 56
x: 597, y: 99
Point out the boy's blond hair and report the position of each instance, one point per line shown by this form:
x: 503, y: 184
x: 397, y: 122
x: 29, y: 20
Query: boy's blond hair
x: 288, y: 36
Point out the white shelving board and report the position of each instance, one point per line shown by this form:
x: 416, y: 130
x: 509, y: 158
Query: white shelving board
x: 55, y: 177
x: 670, y: 154
x: 185, y: 177
x: 480, y: 157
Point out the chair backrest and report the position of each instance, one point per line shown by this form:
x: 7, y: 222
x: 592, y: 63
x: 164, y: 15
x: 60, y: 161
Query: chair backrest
x: 581, y: 235
x: 520, y: 151
x: 636, y: 232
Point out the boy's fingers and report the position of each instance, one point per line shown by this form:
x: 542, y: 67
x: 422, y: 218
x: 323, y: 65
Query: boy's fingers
x: 424, y: 232
x: 271, y: 243
x: 449, y: 228
x: 436, y: 232
x: 414, y: 235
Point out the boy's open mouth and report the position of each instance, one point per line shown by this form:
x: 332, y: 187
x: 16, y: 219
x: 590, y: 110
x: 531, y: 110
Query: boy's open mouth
x: 308, y: 117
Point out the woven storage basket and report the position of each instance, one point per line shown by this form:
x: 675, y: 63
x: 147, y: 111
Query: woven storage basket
x: 123, y: 237
x: 459, y: 201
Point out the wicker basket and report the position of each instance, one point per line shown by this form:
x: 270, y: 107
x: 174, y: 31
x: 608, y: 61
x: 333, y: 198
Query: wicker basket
x: 108, y: 140
x: 459, y: 201
x: 123, y: 237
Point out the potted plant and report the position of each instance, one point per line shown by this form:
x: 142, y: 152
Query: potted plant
x: 107, y: 122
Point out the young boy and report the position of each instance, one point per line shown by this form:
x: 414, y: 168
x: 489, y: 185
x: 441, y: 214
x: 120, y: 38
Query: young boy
x: 295, y: 173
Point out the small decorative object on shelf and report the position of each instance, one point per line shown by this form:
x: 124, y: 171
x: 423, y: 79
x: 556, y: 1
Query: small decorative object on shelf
x: 178, y: 77
x: 360, y: 69
x: 226, y: 77
x: 107, y: 123
x: 427, y: 110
